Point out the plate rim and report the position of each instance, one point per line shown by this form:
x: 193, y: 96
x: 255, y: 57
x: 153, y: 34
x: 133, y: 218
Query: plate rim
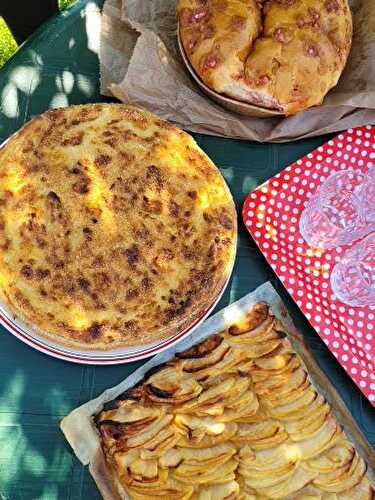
x: 12, y: 328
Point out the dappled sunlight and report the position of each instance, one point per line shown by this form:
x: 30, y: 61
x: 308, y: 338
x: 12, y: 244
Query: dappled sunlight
x: 25, y: 78
x: 15, y: 387
x: 100, y: 197
x: 50, y: 491
x: 13, y: 180
x: 249, y: 183
x: 233, y: 288
x: 11, y: 447
x: 85, y: 85
x: 232, y: 314
x: 91, y: 13
x: 9, y: 101
x: 227, y: 173
x: 59, y: 100
x: 35, y: 465
x: 79, y: 318
x: 57, y: 401
x: 35, y: 57
x: 271, y: 233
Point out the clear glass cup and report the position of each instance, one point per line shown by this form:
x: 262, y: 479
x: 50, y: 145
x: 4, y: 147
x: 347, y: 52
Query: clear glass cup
x: 353, y: 277
x: 340, y: 212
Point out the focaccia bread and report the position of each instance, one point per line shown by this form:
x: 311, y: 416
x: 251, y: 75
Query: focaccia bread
x: 115, y: 228
x: 234, y: 417
x: 279, y: 54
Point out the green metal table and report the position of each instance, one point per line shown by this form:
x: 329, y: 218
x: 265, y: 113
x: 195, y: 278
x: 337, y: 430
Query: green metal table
x: 56, y: 66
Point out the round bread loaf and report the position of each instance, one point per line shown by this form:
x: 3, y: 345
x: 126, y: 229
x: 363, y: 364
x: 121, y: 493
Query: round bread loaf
x: 278, y: 54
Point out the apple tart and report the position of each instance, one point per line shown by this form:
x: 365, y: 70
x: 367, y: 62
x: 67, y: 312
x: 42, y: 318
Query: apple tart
x: 234, y: 417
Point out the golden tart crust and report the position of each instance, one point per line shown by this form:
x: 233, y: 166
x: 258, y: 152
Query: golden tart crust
x: 115, y: 228
x: 234, y: 417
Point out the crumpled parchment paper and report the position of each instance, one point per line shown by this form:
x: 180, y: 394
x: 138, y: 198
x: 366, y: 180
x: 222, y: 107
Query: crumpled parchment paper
x: 140, y: 64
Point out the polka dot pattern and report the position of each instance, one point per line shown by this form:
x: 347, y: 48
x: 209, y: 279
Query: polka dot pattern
x: 271, y: 214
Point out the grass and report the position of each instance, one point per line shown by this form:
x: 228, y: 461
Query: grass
x: 8, y: 44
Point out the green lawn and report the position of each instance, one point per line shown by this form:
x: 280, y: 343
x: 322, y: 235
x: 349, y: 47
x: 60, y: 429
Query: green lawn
x: 7, y: 43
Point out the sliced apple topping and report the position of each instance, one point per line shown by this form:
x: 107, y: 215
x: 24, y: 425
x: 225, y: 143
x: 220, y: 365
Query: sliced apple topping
x: 263, y: 479
x: 218, y: 474
x: 298, y: 405
x: 286, y: 487
x: 170, y: 489
x: 127, y: 414
x: 327, y: 436
x: 243, y: 413
x: 343, y: 478
x: 171, y: 458
x: 212, y: 394
x: 224, y: 491
x: 364, y: 490
x: 274, y: 376
x: 339, y: 455
x: 149, y: 432
x: 234, y: 418
x: 313, y: 425
x: 263, y: 435
x: 143, y: 469
x: 252, y: 322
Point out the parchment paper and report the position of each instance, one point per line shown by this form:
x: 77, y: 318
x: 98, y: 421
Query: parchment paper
x: 81, y: 433
x: 140, y: 64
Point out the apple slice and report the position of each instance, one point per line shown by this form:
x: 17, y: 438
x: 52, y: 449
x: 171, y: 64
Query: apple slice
x: 171, y: 458
x: 340, y: 454
x: 286, y: 487
x: 217, y: 475
x: 286, y: 397
x: 224, y: 491
x: 262, y: 374
x: 295, y: 427
x: 291, y: 382
x: 143, y: 469
x: 326, y: 438
x: 350, y: 477
x: 300, y: 404
x: 253, y: 321
x: 312, y: 428
x: 192, y: 456
x: 259, y: 480
x: 208, y: 441
x: 151, y: 431
x: 364, y: 490
x: 210, y: 394
x: 249, y: 410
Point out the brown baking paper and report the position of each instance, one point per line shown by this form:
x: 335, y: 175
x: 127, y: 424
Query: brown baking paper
x: 140, y: 64
x: 81, y: 433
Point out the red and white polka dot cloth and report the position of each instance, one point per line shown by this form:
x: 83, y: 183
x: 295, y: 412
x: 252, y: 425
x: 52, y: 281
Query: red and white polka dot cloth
x: 271, y: 214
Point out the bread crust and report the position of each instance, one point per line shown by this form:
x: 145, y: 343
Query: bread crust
x: 279, y: 54
x: 115, y: 228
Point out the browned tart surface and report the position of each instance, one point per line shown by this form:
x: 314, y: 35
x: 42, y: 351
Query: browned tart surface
x: 115, y: 228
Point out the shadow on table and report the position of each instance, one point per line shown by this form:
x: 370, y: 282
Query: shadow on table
x: 58, y: 66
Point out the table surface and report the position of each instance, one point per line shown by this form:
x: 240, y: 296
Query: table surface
x: 57, y: 66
